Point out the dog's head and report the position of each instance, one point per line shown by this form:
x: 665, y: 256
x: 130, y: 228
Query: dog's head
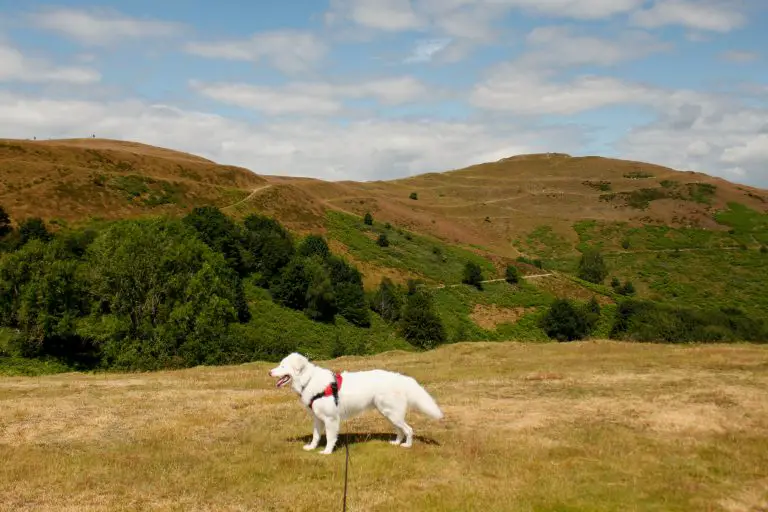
x: 289, y: 368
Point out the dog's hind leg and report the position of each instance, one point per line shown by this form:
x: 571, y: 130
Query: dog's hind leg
x: 317, y: 425
x: 394, y: 410
x: 331, y: 434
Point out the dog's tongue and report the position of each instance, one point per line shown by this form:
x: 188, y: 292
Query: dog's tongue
x: 282, y: 381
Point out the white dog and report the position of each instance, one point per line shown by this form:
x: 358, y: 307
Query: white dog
x: 334, y: 397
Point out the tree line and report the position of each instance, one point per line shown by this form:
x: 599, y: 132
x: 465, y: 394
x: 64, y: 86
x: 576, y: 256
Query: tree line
x: 164, y: 292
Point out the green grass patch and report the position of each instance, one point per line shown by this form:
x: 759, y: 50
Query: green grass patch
x: 544, y: 242
x: 747, y: 225
x: 423, y: 255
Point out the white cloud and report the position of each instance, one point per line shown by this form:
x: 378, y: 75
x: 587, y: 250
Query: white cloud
x: 557, y: 46
x: 739, y: 56
x: 102, y: 26
x: 712, y: 135
x: 371, y: 149
x: 386, y: 15
x: 709, y: 15
x: 576, y: 9
x: 312, y: 98
x: 287, y: 50
x: 425, y: 50
x: 20, y: 68
x: 753, y: 151
x: 523, y: 92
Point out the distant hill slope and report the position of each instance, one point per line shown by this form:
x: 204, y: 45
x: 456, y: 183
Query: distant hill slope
x: 490, y: 205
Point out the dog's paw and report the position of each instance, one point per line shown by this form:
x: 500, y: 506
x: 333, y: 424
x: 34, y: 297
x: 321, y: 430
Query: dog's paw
x: 326, y: 452
x: 405, y: 445
x: 309, y: 447
x: 395, y: 442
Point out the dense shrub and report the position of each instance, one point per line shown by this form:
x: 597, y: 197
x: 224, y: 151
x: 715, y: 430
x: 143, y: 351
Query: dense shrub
x: 33, y: 229
x: 567, y: 321
x: 652, y: 322
x: 420, y: 323
x: 383, y: 240
x: 512, y: 275
x: 592, y: 267
x: 314, y: 245
x: 387, y: 300
x: 268, y: 244
x: 414, y: 196
x: 473, y: 275
x: 5, y: 222
x: 368, y: 219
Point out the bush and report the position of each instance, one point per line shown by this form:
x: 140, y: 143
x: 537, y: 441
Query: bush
x: 162, y: 297
x: 221, y: 234
x: 615, y: 283
x: 5, y: 223
x: 348, y: 289
x: 268, y: 245
x: 314, y: 245
x: 512, y: 274
x: 763, y: 249
x: 592, y: 267
x: 33, y: 229
x: 420, y: 323
x: 473, y: 275
x: 414, y: 196
x: 368, y: 219
x: 627, y: 290
x: 383, y: 240
x: 566, y: 321
x: 387, y: 301
x: 645, y: 321
x: 625, y: 244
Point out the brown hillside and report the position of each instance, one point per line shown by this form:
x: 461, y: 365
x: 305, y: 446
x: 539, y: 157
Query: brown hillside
x: 488, y: 205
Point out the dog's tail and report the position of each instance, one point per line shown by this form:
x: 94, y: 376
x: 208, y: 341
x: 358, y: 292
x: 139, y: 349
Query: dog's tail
x: 419, y: 398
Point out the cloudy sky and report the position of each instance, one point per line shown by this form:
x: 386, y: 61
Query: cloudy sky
x: 372, y: 89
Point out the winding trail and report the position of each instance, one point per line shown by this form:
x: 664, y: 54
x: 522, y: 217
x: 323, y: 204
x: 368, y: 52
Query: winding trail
x: 249, y: 196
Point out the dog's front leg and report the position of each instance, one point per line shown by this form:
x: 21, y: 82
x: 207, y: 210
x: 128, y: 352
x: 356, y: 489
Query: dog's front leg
x: 317, y: 425
x: 331, y: 434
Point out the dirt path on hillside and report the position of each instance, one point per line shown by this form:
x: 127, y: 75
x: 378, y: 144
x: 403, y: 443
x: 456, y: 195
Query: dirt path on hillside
x: 440, y: 286
x: 248, y: 197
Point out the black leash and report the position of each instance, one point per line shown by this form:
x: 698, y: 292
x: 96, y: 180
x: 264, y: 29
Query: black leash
x: 346, y: 467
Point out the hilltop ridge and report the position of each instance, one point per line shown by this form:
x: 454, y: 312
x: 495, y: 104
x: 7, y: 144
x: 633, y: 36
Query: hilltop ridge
x: 488, y: 205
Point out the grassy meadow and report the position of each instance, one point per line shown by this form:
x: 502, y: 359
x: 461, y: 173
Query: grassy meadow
x: 590, y: 426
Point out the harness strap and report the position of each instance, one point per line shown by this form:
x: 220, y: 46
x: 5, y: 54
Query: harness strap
x: 331, y: 389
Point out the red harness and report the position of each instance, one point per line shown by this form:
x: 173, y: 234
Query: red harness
x: 331, y: 389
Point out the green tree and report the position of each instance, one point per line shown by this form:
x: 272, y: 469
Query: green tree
x: 512, y: 274
x: 420, y: 323
x: 42, y: 295
x: 162, y: 297
x: 33, y: 229
x: 350, y: 294
x: 368, y: 219
x: 387, y: 301
x: 221, y: 234
x: 314, y: 245
x: 269, y: 245
x: 5, y: 223
x: 473, y: 275
x: 414, y: 196
x: 565, y: 321
x: 592, y: 267
x: 383, y: 240
x: 320, y: 296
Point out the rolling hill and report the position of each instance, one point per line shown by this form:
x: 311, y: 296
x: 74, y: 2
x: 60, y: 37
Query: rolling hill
x: 681, y: 238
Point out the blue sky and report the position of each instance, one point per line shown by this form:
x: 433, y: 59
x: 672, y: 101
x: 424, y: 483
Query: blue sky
x: 378, y: 89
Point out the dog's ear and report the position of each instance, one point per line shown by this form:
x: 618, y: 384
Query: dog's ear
x: 299, y: 362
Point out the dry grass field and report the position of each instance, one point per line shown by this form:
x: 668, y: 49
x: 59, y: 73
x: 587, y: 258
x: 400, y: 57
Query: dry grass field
x: 596, y: 426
